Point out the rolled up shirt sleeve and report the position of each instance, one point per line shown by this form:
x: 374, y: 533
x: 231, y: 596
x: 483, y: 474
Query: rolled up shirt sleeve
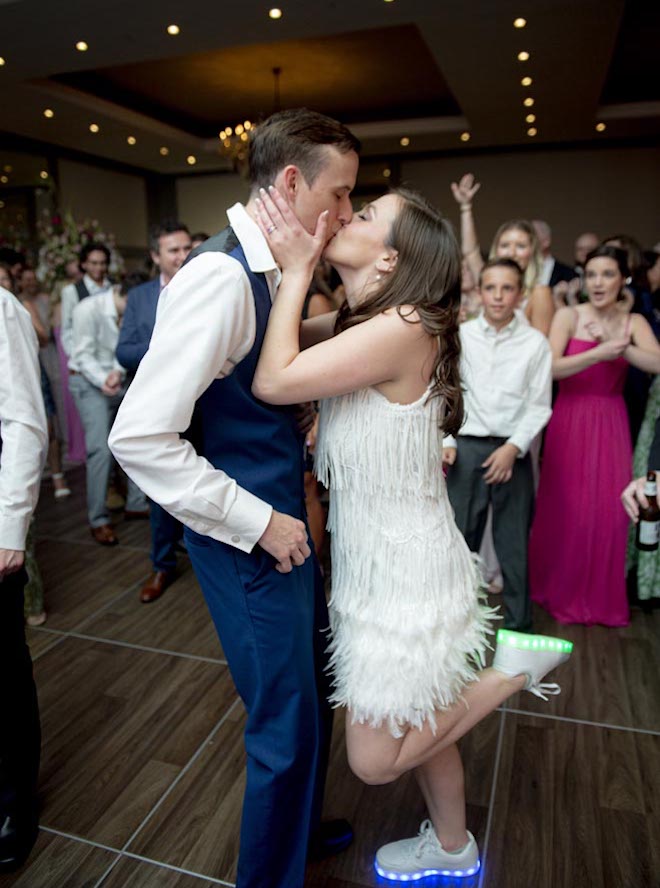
x: 205, y: 326
x: 22, y: 423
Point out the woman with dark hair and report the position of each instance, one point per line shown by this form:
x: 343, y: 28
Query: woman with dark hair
x: 408, y: 628
x: 515, y: 239
x: 588, y: 452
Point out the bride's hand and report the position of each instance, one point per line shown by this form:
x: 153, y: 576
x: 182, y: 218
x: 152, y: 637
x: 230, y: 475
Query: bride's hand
x: 291, y: 244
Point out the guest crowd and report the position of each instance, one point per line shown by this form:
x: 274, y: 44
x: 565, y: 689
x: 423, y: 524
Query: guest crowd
x: 559, y: 364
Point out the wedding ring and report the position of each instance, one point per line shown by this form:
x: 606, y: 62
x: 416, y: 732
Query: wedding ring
x: 271, y: 229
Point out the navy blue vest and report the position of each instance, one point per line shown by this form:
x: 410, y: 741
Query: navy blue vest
x: 257, y: 444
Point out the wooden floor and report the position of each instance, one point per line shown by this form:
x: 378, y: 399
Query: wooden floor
x: 142, y: 768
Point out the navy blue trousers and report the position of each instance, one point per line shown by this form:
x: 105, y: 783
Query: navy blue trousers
x: 166, y: 532
x: 272, y: 629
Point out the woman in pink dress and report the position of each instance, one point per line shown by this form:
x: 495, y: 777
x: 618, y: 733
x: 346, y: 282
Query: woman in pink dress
x: 578, y: 540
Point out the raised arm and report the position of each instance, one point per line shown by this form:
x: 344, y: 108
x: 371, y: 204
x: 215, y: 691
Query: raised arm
x: 541, y: 309
x: 464, y: 193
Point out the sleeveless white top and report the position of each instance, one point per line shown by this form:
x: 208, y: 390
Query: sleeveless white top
x: 408, y: 624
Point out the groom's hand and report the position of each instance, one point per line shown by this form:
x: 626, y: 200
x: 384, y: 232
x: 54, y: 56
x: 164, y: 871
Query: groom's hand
x: 285, y: 539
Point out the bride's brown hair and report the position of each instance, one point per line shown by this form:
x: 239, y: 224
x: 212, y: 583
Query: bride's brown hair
x: 427, y: 275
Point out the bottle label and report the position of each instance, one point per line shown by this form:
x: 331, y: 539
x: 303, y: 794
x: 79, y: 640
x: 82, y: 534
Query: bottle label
x: 649, y: 533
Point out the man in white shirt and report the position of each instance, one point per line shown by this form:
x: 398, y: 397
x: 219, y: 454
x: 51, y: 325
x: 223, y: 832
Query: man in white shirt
x: 506, y: 369
x: 94, y: 260
x: 23, y: 442
x: 239, y: 490
x: 96, y: 380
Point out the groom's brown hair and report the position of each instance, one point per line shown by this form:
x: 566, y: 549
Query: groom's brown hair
x: 298, y: 136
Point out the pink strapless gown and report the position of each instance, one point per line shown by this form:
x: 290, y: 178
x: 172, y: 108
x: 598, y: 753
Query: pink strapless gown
x: 577, y: 547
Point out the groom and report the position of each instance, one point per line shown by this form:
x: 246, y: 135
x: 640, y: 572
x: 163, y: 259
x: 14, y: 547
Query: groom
x: 239, y: 489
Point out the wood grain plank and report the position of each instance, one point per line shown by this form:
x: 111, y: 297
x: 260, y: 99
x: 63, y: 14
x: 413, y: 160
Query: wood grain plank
x: 139, y: 874
x: 58, y: 862
x: 118, y: 726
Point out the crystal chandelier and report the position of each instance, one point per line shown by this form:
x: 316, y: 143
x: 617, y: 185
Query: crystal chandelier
x: 235, y: 140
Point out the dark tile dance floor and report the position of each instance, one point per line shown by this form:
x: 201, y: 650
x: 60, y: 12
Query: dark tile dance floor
x: 142, y: 767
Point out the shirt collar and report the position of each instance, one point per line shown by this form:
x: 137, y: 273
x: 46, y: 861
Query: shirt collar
x: 93, y: 287
x: 257, y: 252
x: 486, y: 328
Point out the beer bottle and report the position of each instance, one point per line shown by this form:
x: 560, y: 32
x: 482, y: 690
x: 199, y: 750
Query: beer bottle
x: 648, y: 528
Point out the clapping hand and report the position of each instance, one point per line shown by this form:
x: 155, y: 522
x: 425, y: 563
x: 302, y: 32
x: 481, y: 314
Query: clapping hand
x: 294, y: 248
x: 465, y: 190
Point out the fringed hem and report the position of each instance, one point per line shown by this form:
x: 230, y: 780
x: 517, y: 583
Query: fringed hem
x: 385, y: 680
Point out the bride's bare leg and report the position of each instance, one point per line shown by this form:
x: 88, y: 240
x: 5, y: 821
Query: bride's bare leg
x: 442, y: 784
x: 377, y: 757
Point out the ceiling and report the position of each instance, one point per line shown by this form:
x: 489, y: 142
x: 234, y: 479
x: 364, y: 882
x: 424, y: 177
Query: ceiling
x: 426, y: 69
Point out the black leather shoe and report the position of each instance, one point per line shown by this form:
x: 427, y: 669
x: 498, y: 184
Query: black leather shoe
x: 17, y: 837
x: 331, y: 837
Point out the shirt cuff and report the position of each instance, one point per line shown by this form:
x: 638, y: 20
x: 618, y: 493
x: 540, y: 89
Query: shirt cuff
x: 449, y: 441
x: 245, y: 522
x: 13, y: 532
x: 522, y: 442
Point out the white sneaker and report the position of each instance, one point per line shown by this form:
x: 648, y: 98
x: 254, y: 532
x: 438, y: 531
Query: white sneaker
x: 532, y: 655
x: 412, y: 859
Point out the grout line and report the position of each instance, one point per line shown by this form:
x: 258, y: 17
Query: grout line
x: 182, y: 773
x: 149, y: 650
x: 132, y: 856
x: 491, y: 801
x: 74, y: 838
x: 580, y: 721
x: 113, y: 601
x: 177, y: 869
x: 56, y: 643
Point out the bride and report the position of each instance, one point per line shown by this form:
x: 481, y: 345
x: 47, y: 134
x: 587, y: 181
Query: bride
x: 409, y: 628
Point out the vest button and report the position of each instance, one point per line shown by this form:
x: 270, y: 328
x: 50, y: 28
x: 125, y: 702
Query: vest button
x: 235, y: 538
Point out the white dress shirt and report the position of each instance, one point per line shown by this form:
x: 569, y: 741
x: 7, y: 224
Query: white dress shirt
x: 70, y: 299
x: 22, y: 422
x: 205, y: 325
x: 95, y: 338
x: 507, y: 380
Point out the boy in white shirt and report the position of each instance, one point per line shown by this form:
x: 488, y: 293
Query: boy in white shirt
x: 506, y: 369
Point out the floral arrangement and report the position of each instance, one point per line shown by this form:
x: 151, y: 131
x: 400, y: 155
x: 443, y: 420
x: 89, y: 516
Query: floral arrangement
x: 62, y: 239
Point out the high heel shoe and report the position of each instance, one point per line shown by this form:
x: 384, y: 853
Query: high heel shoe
x: 62, y: 490
x: 533, y: 656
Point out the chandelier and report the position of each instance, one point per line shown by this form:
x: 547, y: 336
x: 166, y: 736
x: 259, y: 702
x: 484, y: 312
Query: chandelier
x: 235, y: 139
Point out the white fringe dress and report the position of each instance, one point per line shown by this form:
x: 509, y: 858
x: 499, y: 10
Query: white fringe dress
x: 407, y: 616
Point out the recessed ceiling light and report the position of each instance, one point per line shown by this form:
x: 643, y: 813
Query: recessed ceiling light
x: 191, y: 159
x: 164, y: 151
x: 94, y: 127
x: 173, y: 30
x: 530, y: 118
x: 131, y: 140
x: 404, y: 141
x: 526, y: 81
x: 532, y: 131
x: 2, y: 62
x: 4, y: 179
x: 600, y: 127
x: 48, y: 112
x: 465, y: 137
x: 275, y: 13
x: 528, y: 102
x: 81, y: 46
x: 387, y: 172
x: 43, y: 174
x: 523, y: 56
x: 519, y: 23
